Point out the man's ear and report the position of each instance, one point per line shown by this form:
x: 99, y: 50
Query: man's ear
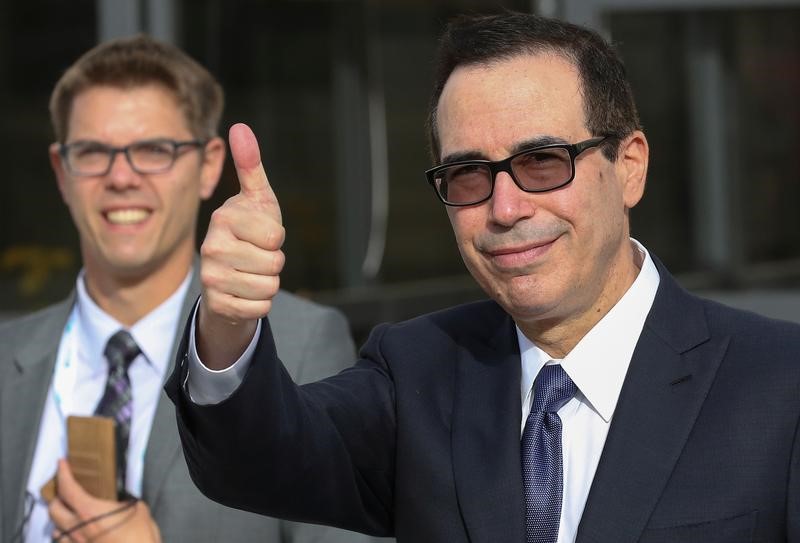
x: 211, y: 169
x: 57, y: 163
x: 634, y: 155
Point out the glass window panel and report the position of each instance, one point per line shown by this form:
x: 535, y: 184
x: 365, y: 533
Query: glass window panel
x: 764, y: 47
x: 652, y: 47
x: 760, y: 59
x: 278, y: 63
x: 39, y: 253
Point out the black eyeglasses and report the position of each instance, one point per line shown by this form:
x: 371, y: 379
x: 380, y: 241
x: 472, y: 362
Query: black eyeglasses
x: 538, y: 169
x: 92, y: 158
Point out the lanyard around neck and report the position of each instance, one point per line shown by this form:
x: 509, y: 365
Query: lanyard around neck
x: 66, y: 370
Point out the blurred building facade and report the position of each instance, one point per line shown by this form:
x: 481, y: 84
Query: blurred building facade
x: 337, y: 92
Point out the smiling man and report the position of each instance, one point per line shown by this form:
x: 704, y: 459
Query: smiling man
x: 137, y: 151
x: 590, y: 399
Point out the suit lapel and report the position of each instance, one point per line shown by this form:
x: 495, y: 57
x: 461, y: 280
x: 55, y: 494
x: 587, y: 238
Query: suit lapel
x: 672, y: 369
x: 486, y: 433
x: 163, y: 445
x: 24, y: 391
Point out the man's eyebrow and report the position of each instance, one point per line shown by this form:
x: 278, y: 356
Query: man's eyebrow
x: 85, y: 142
x: 463, y: 155
x: 537, y: 141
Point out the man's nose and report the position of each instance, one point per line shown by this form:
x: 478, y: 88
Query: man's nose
x: 121, y: 174
x: 509, y: 203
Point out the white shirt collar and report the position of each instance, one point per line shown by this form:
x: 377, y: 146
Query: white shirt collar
x: 153, y: 332
x: 598, y: 363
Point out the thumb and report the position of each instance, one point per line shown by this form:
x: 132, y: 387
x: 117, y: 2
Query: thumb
x: 253, y: 181
x: 69, y: 490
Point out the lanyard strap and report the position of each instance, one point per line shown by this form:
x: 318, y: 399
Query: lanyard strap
x: 66, y: 370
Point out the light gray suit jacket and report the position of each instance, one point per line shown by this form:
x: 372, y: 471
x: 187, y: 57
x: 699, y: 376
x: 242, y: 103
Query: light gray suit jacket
x: 314, y: 341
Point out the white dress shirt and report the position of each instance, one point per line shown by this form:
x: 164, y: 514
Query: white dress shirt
x: 597, y: 365
x: 79, y: 381
x: 207, y: 386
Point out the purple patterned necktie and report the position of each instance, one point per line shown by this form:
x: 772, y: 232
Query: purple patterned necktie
x: 117, y: 401
x: 542, y: 463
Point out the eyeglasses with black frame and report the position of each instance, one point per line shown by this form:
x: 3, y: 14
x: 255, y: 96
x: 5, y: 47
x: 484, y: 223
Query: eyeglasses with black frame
x: 538, y: 169
x: 91, y: 158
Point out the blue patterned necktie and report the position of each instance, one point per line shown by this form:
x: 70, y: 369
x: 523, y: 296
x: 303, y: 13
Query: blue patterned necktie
x: 117, y: 401
x: 542, y: 462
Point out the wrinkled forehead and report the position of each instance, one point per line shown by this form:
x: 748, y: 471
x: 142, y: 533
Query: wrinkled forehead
x: 491, y: 107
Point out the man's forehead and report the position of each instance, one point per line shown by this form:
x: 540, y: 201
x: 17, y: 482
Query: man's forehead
x: 127, y: 88
x: 499, y: 105
x: 149, y: 100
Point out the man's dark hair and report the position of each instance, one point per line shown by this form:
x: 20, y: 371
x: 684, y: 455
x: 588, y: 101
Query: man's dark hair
x: 609, y: 108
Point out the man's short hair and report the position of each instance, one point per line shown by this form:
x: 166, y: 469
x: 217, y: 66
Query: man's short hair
x: 609, y: 108
x: 137, y: 61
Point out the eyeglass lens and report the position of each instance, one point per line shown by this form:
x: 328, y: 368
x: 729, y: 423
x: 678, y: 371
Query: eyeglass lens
x: 90, y: 158
x: 537, y: 170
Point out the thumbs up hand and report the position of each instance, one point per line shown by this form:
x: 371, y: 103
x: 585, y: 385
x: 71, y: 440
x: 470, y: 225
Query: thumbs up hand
x: 240, y: 258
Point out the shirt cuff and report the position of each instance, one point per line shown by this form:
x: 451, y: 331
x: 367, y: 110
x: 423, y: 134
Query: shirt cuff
x: 206, y: 386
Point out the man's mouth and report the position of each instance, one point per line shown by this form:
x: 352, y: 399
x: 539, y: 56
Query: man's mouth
x: 127, y: 216
x: 521, y: 255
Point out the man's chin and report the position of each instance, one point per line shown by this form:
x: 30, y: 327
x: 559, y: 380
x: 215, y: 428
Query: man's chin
x: 128, y: 266
x: 529, y: 301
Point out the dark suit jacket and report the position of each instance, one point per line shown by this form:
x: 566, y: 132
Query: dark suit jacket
x: 313, y: 340
x: 421, y: 438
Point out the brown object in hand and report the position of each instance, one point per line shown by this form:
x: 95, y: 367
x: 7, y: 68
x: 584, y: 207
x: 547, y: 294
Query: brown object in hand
x: 91, y: 453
